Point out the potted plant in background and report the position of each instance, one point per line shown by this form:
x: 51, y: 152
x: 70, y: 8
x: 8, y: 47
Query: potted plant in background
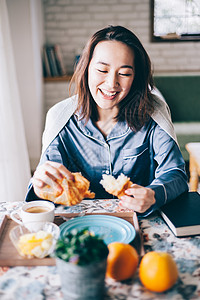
x: 81, y: 259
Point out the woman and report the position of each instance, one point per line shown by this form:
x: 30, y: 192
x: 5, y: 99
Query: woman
x: 114, y: 124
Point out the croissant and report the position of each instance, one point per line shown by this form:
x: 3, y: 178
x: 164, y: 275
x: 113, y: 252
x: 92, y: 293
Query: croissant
x: 73, y: 191
x: 117, y: 186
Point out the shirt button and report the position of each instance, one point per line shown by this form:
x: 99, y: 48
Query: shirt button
x: 107, y: 172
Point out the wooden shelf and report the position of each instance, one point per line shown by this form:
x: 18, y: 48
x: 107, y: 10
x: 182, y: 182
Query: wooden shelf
x: 58, y: 79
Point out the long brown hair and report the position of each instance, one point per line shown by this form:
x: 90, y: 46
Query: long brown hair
x: 137, y: 107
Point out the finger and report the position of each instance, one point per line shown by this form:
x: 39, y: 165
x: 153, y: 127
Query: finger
x: 46, y: 169
x: 126, y: 205
x: 60, y: 170
x: 140, y: 192
x: 65, y: 172
x: 134, y: 201
x: 49, y: 174
x: 134, y: 189
x: 53, y: 170
x: 37, y: 182
x: 135, y: 207
x: 135, y: 185
x: 137, y: 203
x: 42, y: 178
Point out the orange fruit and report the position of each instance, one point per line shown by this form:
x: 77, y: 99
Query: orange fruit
x: 158, y: 271
x: 122, y: 261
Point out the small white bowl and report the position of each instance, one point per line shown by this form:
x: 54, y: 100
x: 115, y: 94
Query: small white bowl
x: 49, y: 227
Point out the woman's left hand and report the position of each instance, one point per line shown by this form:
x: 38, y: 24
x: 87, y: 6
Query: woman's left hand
x: 138, y: 198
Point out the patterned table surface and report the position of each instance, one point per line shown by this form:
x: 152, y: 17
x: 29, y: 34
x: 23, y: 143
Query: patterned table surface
x: 43, y: 282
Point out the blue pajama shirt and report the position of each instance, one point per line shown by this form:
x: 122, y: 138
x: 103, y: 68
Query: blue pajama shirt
x: 150, y: 157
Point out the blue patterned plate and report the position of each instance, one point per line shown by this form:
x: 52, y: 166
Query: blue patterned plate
x: 110, y: 228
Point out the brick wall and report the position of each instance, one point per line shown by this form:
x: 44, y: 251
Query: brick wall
x: 71, y: 22
x: 55, y: 92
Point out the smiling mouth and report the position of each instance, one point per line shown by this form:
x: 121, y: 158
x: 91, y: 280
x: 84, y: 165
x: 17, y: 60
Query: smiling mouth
x: 108, y: 94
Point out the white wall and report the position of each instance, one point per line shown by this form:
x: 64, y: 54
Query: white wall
x: 26, y: 23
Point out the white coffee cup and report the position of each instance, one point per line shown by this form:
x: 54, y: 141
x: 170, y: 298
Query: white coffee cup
x: 34, y: 214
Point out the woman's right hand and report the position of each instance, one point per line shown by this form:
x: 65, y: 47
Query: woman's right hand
x: 49, y: 174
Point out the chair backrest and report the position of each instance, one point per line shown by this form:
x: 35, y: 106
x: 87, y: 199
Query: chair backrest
x: 182, y: 93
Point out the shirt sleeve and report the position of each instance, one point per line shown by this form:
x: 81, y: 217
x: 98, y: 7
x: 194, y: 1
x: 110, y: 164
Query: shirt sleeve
x: 170, y: 179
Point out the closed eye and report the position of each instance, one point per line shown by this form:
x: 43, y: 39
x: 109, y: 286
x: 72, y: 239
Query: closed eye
x: 127, y: 75
x: 101, y: 71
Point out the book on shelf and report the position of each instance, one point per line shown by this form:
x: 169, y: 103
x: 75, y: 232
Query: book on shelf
x: 53, y: 65
x: 182, y: 215
x: 59, y: 60
x: 45, y: 64
x: 52, y: 60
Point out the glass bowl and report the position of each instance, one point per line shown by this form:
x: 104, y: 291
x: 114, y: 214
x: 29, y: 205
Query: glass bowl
x: 39, y: 244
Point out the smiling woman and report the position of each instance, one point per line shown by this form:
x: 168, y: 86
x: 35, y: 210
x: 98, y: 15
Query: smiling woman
x: 115, y: 123
x: 110, y: 80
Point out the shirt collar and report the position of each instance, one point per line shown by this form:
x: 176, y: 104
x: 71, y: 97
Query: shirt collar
x: 120, y: 128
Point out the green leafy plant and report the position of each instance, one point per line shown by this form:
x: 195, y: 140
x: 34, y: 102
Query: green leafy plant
x: 81, y: 247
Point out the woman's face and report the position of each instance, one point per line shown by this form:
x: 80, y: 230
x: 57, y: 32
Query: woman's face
x: 110, y: 73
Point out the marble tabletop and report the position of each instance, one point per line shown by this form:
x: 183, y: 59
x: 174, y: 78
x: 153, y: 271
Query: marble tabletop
x: 43, y: 282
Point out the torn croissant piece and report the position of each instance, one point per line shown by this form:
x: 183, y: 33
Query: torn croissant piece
x: 73, y: 191
x: 117, y: 186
